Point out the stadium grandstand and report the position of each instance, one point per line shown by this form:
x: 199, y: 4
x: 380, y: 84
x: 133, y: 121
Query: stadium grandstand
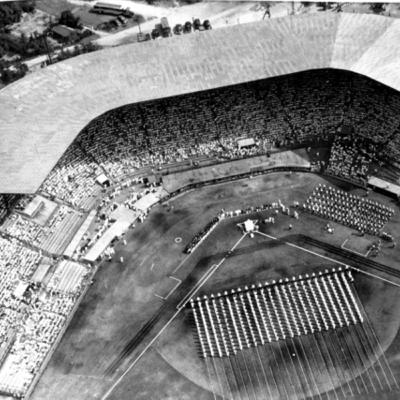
x: 67, y: 96
x: 88, y: 141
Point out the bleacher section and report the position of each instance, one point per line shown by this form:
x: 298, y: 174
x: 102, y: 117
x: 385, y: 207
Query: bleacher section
x: 32, y: 316
x: 68, y: 277
x: 74, y: 179
x: 282, y: 120
x: 53, y: 237
x: 301, y: 109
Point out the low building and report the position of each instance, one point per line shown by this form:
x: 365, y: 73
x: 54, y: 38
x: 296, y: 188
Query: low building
x: 65, y: 34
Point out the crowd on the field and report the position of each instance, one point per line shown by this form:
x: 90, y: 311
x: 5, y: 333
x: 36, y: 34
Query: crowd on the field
x: 201, y: 236
x: 125, y: 144
x: 363, y: 214
x: 315, y: 303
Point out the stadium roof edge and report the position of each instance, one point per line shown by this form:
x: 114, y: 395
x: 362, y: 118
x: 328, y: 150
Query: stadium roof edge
x: 42, y: 113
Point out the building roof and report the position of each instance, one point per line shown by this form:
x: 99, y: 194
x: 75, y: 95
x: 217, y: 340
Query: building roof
x: 245, y: 142
x: 384, y: 185
x: 63, y: 31
x: 42, y: 113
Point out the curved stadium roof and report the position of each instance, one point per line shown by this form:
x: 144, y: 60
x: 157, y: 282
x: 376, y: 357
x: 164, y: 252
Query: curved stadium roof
x: 41, y: 114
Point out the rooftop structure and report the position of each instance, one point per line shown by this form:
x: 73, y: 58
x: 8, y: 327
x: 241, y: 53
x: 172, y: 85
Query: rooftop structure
x: 43, y: 112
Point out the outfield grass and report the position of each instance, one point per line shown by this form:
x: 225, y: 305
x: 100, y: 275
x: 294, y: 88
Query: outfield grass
x: 122, y: 298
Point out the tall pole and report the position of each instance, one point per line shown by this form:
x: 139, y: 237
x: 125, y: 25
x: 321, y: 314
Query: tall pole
x: 47, y: 48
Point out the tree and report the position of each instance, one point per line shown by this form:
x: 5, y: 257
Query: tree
x: 68, y: 19
x: 23, y: 42
x: 377, y: 8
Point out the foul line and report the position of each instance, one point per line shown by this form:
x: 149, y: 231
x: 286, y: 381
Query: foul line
x: 302, y: 248
x: 331, y: 259
x: 197, y: 288
x: 181, y: 263
x: 375, y: 276
x: 172, y: 290
x: 207, y: 275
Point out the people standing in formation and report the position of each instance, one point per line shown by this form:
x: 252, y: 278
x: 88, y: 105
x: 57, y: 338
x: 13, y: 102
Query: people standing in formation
x: 365, y: 215
x: 278, y: 310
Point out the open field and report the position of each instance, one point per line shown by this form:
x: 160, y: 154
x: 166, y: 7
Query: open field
x: 121, y: 318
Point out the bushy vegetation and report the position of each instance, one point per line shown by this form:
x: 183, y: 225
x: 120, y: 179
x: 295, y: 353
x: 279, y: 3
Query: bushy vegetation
x: 10, y: 73
x: 11, y: 11
x: 77, y: 50
x: 68, y: 19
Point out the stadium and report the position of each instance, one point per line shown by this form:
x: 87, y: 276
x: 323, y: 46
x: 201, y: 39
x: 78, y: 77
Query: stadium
x: 212, y: 216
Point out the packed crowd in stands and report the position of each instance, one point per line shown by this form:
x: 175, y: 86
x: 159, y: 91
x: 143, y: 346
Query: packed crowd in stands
x: 31, y: 319
x: 351, y: 156
x: 306, y: 109
x: 74, y: 179
x: 7, y: 202
x: 52, y: 237
x: 364, y: 215
x: 3, y: 208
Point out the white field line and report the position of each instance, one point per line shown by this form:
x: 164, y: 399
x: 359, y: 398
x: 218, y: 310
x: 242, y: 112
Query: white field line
x: 303, y: 249
x: 174, y: 288
x: 144, y: 259
x: 152, y: 266
x: 375, y: 276
x: 353, y: 251
x: 335, y: 261
x: 207, y: 275
x: 135, y: 361
x: 203, y: 279
x: 181, y: 263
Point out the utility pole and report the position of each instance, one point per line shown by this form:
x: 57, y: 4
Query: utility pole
x: 47, y: 48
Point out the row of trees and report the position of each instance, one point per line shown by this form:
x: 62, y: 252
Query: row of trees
x: 10, y: 73
x: 77, y: 50
x: 25, y: 46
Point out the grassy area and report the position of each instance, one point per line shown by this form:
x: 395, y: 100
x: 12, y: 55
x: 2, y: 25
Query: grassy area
x: 122, y: 299
x: 55, y: 7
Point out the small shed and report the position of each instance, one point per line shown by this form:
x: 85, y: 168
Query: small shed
x: 103, y: 180
x: 247, y: 142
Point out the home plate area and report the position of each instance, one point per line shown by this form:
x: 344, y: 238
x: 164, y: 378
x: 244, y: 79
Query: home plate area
x: 304, y: 337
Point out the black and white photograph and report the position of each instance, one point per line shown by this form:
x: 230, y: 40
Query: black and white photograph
x: 199, y: 200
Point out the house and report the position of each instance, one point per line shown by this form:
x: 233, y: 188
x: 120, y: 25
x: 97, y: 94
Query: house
x: 65, y: 34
